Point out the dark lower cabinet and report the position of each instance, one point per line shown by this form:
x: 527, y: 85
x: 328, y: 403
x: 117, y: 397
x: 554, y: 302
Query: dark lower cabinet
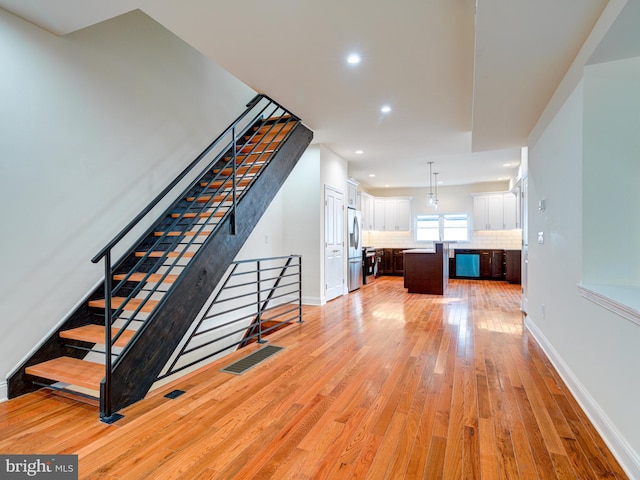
x: 485, y: 264
x: 427, y: 271
x: 513, y: 266
x: 492, y: 264
x: 398, y: 261
x: 387, y: 262
x: 393, y: 261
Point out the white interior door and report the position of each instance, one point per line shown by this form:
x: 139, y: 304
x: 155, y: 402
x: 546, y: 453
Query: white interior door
x: 334, y: 246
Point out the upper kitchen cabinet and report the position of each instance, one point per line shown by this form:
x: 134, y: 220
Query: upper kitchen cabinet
x: 366, y: 207
x: 496, y: 211
x: 352, y: 194
x: 392, y: 214
x: 512, y: 210
x: 488, y: 212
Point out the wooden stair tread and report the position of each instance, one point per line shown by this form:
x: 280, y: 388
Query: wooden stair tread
x: 133, y: 304
x: 153, y: 278
x: 254, y: 148
x: 272, y: 136
x: 253, y: 159
x: 279, y: 118
x: 278, y: 127
x: 95, y: 334
x: 70, y: 370
x: 242, y: 170
x: 227, y: 182
x: 178, y: 234
x: 207, y: 198
x: 168, y: 254
x: 216, y: 214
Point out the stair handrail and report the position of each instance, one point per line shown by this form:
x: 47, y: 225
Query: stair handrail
x: 105, y: 253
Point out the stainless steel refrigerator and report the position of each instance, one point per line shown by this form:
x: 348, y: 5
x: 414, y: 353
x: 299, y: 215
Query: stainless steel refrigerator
x: 354, y: 280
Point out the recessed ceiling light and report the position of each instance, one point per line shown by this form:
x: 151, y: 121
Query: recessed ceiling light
x: 386, y: 186
x: 506, y: 164
x: 353, y: 59
x: 385, y: 109
x: 372, y: 175
x: 359, y: 152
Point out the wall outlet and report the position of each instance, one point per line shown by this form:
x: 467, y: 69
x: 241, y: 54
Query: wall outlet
x: 540, y: 237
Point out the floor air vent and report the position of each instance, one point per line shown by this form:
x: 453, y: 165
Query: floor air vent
x: 174, y: 394
x: 251, y: 360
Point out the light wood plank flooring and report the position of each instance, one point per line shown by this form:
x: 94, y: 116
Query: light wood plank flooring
x: 377, y: 384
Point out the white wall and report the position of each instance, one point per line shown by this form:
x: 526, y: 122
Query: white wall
x: 267, y: 238
x: 611, y: 170
x: 303, y: 207
x: 594, y: 349
x: 302, y: 223
x: 93, y: 125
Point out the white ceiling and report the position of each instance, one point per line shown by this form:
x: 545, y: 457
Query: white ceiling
x: 466, y: 80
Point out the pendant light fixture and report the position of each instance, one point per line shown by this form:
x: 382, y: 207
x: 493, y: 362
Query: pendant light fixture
x: 430, y: 197
x: 435, y: 201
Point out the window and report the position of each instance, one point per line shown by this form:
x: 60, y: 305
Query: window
x: 428, y: 228
x: 456, y: 228
x: 442, y: 227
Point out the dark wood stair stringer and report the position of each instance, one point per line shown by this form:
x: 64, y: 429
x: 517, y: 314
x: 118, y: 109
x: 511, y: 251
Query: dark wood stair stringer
x: 161, y: 335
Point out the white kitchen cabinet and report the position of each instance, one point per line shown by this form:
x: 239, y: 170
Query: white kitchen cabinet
x: 485, y: 212
x: 496, y: 211
x: 480, y: 209
x: 378, y: 214
x: 392, y: 214
x: 510, y: 211
x: 352, y: 194
x: 366, y: 207
x: 403, y: 219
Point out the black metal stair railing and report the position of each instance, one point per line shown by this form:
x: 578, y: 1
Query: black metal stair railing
x: 256, y: 297
x: 214, y: 182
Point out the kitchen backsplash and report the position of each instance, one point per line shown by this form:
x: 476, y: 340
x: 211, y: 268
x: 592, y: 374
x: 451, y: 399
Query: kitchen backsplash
x: 490, y: 239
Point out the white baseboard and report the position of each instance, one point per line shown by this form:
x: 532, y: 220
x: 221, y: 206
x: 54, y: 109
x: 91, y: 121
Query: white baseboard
x: 4, y: 392
x: 624, y: 453
x: 313, y: 301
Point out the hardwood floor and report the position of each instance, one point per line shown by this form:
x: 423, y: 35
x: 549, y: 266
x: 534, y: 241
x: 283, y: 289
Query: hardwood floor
x: 377, y: 384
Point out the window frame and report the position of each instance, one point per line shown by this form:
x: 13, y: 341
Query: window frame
x: 441, y: 226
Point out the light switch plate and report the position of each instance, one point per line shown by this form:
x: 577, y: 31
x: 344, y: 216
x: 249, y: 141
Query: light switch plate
x: 540, y: 237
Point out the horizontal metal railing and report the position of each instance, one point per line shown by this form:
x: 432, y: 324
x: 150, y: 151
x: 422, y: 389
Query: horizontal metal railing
x: 253, y: 294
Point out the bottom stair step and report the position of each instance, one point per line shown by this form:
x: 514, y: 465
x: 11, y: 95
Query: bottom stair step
x: 70, y: 370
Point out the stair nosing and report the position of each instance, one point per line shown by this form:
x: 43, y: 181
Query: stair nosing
x: 67, y: 366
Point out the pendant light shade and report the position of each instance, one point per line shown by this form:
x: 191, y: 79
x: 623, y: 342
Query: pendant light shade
x: 435, y: 201
x: 430, y: 197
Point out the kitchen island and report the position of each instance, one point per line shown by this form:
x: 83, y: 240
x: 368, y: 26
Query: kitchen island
x: 426, y: 270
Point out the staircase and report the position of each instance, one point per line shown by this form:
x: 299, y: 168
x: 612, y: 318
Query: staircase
x: 153, y: 294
